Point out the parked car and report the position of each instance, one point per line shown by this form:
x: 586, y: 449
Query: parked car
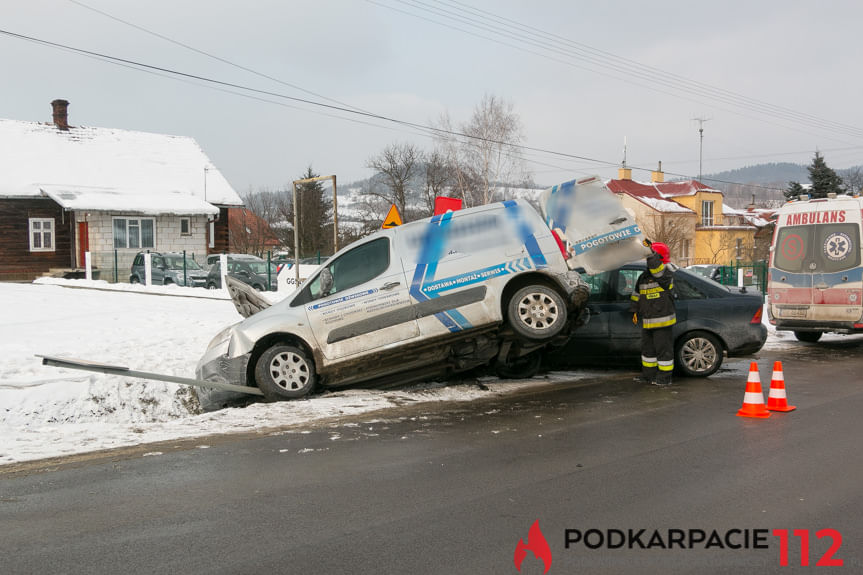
x: 168, y: 268
x: 425, y: 299
x: 248, y: 269
x: 712, y: 320
x: 711, y: 271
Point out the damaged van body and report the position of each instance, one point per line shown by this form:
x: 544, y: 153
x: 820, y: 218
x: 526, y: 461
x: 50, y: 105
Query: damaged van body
x: 488, y: 285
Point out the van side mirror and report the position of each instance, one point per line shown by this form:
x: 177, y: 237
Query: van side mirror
x: 326, y: 281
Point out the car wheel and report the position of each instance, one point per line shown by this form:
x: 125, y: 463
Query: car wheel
x: 168, y: 281
x: 536, y: 313
x: 134, y: 280
x: 698, y: 354
x: 808, y: 336
x: 520, y: 368
x: 258, y: 287
x: 285, y: 372
x: 211, y: 285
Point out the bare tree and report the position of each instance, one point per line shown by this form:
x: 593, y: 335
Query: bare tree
x: 853, y: 179
x: 484, y: 151
x: 671, y: 230
x: 398, y: 164
x: 439, y: 176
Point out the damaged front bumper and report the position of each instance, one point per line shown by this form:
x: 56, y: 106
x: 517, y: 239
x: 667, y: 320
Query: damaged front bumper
x: 216, y: 365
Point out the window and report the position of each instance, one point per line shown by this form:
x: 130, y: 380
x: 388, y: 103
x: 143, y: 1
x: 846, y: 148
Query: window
x: 135, y: 233
x: 351, y: 269
x: 686, y: 290
x: 625, y: 284
x: 41, y: 234
x: 185, y: 226
x: 598, y: 285
x: 707, y: 212
x: 738, y: 249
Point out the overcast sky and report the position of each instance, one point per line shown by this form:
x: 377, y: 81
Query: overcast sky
x: 775, y: 79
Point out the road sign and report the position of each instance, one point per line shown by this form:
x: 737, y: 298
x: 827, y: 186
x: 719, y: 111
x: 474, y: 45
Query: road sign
x: 393, y: 218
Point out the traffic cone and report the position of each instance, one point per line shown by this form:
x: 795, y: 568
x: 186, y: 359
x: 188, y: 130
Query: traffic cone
x: 753, y: 399
x: 777, y: 400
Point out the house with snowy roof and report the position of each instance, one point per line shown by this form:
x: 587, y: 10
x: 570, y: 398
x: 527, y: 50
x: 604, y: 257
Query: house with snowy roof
x: 689, y: 216
x: 66, y: 190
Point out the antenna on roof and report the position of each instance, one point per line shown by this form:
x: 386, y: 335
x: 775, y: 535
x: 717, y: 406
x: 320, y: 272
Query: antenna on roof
x: 624, y: 152
x: 701, y: 141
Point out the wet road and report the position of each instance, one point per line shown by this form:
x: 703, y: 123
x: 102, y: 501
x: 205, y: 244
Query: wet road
x: 451, y: 488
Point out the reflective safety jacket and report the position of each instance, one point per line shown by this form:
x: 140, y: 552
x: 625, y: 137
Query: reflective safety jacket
x: 653, y: 295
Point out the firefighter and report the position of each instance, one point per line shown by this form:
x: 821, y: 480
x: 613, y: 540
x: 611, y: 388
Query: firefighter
x: 653, y: 303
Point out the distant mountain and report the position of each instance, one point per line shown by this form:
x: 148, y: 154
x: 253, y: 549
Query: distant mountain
x: 764, y: 183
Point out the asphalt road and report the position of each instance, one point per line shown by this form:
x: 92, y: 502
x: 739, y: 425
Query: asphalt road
x: 452, y: 488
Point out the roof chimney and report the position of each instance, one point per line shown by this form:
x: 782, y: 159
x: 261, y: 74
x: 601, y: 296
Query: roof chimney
x: 624, y: 173
x: 61, y: 114
x: 657, y: 176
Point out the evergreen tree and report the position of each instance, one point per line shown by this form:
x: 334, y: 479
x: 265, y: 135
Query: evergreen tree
x: 314, y: 211
x: 823, y: 179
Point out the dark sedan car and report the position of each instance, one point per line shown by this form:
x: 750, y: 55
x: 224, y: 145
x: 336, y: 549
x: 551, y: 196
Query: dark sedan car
x: 712, y: 320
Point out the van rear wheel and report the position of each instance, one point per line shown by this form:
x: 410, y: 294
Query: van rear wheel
x: 536, y: 313
x: 808, y: 336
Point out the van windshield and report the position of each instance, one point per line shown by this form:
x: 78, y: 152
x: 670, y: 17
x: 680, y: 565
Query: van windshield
x: 819, y: 248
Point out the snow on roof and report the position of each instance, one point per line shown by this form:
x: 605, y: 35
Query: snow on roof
x: 35, y: 157
x: 114, y: 200
x: 659, y: 190
x: 665, y: 206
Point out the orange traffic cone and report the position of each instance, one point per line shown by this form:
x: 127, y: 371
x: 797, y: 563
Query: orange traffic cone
x: 753, y: 399
x: 777, y: 400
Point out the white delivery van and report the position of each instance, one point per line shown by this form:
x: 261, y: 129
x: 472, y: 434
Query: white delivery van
x: 815, y: 279
x: 601, y: 234
x: 482, y: 285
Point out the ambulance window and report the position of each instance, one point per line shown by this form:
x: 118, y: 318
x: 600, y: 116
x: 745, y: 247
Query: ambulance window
x: 838, y: 247
x: 360, y: 265
x: 792, y: 247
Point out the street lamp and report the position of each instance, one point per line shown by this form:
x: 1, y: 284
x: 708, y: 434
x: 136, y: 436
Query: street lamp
x: 297, y: 226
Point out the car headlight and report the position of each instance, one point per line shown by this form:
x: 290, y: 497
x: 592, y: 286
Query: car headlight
x: 222, y: 339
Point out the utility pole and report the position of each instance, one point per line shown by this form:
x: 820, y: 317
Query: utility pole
x: 701, y: 142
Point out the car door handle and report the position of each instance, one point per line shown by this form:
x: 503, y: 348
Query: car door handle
x: 390, y: 285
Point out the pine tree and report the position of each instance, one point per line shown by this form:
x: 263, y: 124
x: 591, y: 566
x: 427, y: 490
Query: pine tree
x: 314, y: 213
x: 794, y: 190
x: 824, y: 179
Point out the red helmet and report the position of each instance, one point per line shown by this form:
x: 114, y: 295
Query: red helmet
x: 662, y: 250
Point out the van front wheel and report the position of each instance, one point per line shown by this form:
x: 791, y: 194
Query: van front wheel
x: 285, y: 372
x: 536, y: 313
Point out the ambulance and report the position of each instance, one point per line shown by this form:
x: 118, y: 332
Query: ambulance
x: 815, y: 279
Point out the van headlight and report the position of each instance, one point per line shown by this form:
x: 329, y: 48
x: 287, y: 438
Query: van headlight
x: 222, y: 339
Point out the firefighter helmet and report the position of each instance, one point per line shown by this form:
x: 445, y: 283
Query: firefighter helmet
x: 662, y: 250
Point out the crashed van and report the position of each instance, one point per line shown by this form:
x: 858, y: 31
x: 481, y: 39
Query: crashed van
x: 488, y: 285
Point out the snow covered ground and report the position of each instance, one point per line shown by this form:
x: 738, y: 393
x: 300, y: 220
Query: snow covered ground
x: 47, y: 411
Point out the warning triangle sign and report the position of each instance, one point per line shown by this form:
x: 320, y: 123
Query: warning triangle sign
x: 393, y: 218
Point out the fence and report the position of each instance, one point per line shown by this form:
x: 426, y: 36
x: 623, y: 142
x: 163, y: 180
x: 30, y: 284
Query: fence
x: 750, y: 274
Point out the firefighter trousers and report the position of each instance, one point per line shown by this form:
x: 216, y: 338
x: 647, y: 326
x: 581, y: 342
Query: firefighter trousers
x: 657, y: 354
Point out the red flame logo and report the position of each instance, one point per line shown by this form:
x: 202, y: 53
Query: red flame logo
x: 535, y: 542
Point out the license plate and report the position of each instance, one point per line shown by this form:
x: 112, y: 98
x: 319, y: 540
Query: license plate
x: 795, y: 313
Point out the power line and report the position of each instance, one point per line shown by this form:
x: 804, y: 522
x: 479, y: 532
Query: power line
x: 224, y: 85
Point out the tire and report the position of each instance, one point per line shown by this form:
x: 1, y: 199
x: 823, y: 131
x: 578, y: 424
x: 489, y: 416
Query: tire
x: 698, y: 354
x: 168, y: 282
x: 258, y: 287
x: 211, y: 285
x: 536, y: 313
x: 523, y: 367
x: 808, y: 336
x: 134, y: 280
x: 285, y: 372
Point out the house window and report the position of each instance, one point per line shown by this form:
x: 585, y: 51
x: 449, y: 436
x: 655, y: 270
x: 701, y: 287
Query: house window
x: 135, y: 233
x: 185, y: 226
x: 41, y: 234
x: 739, y: 249
x: 707, y: 213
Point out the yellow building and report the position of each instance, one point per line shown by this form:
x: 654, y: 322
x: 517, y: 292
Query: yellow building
x: 689, y: 217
